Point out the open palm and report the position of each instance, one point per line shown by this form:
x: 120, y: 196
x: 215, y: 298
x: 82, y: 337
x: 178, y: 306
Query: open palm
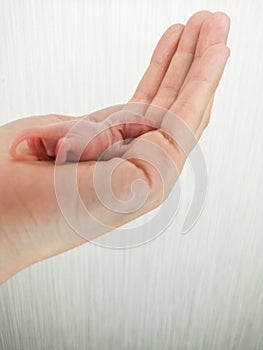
x: 180, y: 81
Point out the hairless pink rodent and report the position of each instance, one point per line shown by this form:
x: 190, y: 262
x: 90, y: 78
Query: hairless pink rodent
x: 82, y: 139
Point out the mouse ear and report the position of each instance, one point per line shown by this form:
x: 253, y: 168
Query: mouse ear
x: 28, y: 134
x: 62, y: 148
x: 41, y: 141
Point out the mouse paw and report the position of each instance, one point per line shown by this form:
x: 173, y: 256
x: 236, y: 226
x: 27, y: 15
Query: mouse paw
x: 62, y: 148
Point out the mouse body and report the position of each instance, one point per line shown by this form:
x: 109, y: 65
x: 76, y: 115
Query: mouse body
x: 81, y: 139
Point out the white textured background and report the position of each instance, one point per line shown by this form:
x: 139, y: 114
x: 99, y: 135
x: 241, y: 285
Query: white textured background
x: 201, y: 291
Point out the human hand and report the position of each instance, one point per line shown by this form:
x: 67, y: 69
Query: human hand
x: 182, y: 78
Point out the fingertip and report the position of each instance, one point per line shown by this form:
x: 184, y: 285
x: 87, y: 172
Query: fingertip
x: 199, y: 16
x: 222, y: 16
x: 222, y: 20
x: 176, y: 28
x: 202, y: 13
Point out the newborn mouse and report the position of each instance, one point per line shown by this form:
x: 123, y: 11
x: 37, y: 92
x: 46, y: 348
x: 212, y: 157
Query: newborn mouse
x: 82, y: 140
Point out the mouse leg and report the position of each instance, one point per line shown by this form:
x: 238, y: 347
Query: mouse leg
x: 130, y: 124
x: 37, y: 147
x: 62, y: 148
x: 116, y: 150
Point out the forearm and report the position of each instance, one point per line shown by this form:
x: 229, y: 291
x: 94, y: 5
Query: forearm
x: 10, y: 257
x: 9, y: 260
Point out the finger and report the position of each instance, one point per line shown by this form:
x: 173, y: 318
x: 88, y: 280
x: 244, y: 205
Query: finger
x: 160, y: 61
x: 180, y: 63
x: 214, y: 31
x: 192, y: 102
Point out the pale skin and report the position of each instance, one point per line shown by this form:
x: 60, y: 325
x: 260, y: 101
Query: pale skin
x: 182, y: 78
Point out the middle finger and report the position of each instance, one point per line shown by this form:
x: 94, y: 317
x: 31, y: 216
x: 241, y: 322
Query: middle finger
x: 179, y: 66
